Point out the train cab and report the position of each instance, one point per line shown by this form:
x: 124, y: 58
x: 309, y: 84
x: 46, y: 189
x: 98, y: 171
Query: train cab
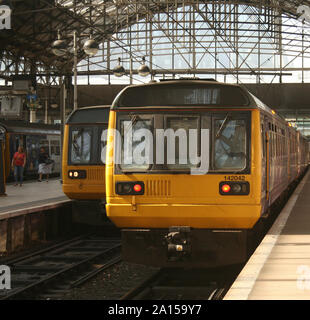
x: 83, y: 169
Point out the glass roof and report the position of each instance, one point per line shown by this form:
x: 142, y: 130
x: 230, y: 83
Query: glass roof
x: 249, y: 41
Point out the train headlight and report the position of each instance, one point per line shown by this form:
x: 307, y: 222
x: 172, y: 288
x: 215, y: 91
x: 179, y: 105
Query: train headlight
x: 236, y: 188
x: 130, y: 188
x: 126, y: 188
x: 241, y: 188
x: 77, y: 174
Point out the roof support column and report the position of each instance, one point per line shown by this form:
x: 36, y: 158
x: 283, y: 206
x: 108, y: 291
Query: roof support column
x: 75, y: 101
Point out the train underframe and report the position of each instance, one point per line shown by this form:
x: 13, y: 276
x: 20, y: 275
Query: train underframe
x: 182, y: 246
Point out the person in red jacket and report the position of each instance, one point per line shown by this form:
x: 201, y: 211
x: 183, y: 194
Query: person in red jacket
x: 18, y: 163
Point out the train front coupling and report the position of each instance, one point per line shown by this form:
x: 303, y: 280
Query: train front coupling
x: 178, y: 243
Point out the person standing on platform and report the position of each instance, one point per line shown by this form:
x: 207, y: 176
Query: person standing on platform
x: 45, y: 165
x: 18, y: 165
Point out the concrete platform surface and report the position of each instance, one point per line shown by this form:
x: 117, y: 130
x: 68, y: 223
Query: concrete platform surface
x: 279, y: 269
x: 31, y: 194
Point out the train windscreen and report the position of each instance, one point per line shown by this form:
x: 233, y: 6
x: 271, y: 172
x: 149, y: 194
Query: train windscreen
x: 181, y: 142
x: 182, y: 95
x: 86, y: 145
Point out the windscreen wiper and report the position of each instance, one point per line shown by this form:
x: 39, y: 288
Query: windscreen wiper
x: 76, y: 146
x: 133, y: 118
x: 223, y: 125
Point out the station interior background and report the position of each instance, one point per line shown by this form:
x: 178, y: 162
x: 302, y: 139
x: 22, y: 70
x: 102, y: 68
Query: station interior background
x: 263, y: 45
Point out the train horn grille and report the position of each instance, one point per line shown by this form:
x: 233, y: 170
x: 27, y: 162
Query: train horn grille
x: 158, y: 188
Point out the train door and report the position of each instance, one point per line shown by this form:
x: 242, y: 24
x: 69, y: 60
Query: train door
x: 266, y: 160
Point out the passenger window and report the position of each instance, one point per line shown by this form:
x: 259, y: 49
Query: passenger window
x: 44, y: 144
x: 55, y: 147
x: 263, y: 140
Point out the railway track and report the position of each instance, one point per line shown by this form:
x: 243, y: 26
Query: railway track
x: 167, y: 284
x: 53, y: 271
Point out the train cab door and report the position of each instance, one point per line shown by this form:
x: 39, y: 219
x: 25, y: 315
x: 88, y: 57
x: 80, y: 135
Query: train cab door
x: 265, y: 163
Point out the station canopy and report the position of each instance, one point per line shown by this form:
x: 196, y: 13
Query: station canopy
x: 188, y: 36
x: 264, y: 41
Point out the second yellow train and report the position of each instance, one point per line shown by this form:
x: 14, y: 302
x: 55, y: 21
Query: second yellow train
x: 83, y: 162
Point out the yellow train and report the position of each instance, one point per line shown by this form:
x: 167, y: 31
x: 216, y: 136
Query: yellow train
x: 195, y: 207
x: 83, y: 169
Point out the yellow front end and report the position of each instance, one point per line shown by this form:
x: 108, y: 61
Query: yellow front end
x: 92, y: 187
x: 182, y: 220
x: 183, y: 199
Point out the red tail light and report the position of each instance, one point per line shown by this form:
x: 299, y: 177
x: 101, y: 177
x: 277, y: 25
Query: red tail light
x: 137, y: 187
x: 225, y: 188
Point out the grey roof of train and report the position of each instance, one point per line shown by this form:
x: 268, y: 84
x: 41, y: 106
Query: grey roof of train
x: 255, y: 103
x: 26, y: 127
x: 86, y: 108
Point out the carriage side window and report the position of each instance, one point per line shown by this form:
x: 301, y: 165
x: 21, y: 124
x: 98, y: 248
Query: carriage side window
x: 55, y: 147
x: 44, y: 144
x: 263, y: 140
x: 273, y: 144
x: 33, y: 145
x: 230, y: 143
x: 81, y: 145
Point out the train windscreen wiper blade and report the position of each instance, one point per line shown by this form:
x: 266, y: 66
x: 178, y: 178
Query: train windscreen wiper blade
x: 75, y: 144
x: 223, y: 125
x: 133, y: 118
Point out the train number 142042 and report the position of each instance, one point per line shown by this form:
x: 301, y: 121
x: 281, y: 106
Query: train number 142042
x: 234, y: 178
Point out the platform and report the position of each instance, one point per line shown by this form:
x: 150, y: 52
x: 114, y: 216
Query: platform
x: 280, y: 266
x: 34, y: 212
x: 32, y: 194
